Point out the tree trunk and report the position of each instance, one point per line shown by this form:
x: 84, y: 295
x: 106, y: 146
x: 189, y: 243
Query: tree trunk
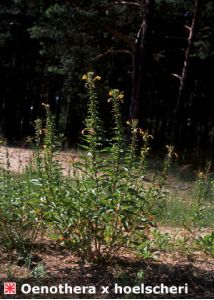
x: 140, y: 61
x: 183, y: 79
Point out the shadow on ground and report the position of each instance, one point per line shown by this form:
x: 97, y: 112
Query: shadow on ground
x: 125, y: 271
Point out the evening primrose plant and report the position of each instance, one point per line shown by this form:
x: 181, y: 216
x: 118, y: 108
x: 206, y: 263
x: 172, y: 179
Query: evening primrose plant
x: 27, y: 200
x: 107, y: 204
x: 20, y: 218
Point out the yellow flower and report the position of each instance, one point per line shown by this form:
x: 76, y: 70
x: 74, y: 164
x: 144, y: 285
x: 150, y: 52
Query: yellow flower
x: 121, y: 96
x: 97, y: 78
x: 84, y: 77
x: 110, y: 93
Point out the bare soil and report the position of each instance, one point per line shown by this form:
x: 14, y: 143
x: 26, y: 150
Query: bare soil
x: 19, y: 158
x: 62, y: 266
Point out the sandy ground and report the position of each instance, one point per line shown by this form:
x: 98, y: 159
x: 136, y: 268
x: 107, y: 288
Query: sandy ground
x: 19, y: 158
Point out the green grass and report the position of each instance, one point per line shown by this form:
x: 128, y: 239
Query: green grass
x: 181, y: 209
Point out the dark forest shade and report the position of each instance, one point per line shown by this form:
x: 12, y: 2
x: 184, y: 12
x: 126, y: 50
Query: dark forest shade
x: 159, y: 52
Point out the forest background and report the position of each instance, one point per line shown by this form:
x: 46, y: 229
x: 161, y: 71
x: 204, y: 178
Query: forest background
x: 160, y: 53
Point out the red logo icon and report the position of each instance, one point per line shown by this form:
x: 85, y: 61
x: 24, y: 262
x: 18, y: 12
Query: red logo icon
x: 9, y: 288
